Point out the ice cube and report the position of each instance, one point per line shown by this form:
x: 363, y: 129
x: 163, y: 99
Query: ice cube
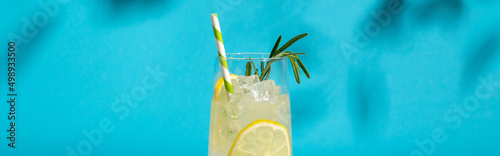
x: 280, y: 99
x: 235, y: 87
x: 227, y: 132
x: 233, y: 127
x: 233, y: 111
x: 263, y: 110
x: 277, y: 89
x: 264, y: 91
x: 246, y: 100
x: 246, y: 82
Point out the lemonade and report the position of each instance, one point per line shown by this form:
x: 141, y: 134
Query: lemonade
x: 250, y: 114
x: 255, y: 120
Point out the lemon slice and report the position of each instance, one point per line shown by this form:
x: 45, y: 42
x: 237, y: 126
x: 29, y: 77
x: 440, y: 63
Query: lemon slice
x: 219, y: 84
x: 262, y: 137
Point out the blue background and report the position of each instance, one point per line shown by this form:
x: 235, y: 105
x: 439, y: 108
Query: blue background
x: 384, y: 96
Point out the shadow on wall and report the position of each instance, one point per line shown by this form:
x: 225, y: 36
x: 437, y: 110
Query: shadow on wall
x: 480, y: 57
x: 388, y: 15
x: 382, y: 26
x: 308, y: 101
x: 442, y: 13
x: 124, y: 12
x: 31, y: 33
x: 307, y: 105
x: 368, y: 99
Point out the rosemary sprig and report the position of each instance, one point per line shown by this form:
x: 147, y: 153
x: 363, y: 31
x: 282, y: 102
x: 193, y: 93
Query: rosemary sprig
x: 248, y: 70
x: 297, y: 64
x: 275, y: 48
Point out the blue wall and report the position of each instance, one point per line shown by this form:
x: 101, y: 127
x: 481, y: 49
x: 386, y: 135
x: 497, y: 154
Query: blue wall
x: 388, y: 77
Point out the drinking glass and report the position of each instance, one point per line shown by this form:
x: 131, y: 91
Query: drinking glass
x: 255, y: 119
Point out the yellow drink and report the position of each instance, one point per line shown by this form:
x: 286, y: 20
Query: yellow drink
x: 251, y: 100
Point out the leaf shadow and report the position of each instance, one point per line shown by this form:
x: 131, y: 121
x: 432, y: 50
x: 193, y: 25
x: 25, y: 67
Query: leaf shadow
x: 116, y: 13
x: 441, y: 13
x: 368, y: 102
x: 479, y: 58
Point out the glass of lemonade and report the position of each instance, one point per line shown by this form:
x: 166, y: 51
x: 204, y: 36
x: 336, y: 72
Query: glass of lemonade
x: 255, y: 119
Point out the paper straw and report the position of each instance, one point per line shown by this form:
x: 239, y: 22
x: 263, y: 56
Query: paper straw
x: 222, y: 55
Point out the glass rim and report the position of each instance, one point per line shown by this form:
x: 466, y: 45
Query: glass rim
x: 228, y: 57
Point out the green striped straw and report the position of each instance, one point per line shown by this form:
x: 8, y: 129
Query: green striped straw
x: 222, y: 55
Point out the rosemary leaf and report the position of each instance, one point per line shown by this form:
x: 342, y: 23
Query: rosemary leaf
x: 266, y: 70
x: 269, y: 73
x: 274, y: 52
x: 295, y: 69
x: 256, y: 70
x: 301, y: 65
x: 289, y: 43
x: 261, y: 66
x: 248, y: 70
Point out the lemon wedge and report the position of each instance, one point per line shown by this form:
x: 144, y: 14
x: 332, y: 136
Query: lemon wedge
x: 262, y: 137
x: 219, y: 84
